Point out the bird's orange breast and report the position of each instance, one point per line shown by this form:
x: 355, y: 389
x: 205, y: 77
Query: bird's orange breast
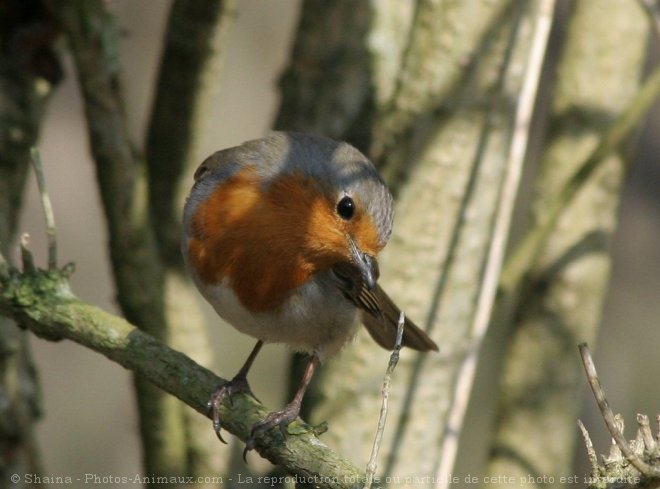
x: 268, y: 241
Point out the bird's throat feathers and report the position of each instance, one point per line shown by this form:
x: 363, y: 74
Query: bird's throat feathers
x: 268, y: 240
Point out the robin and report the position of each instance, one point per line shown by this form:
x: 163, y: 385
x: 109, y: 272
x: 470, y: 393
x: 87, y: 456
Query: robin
x: 281, y: 236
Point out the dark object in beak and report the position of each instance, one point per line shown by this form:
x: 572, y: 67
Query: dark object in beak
x: 367, y: 265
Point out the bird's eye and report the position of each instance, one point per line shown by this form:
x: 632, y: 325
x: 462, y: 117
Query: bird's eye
x: 346, y: 208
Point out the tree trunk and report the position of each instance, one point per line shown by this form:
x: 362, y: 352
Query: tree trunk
x: 186, y: 87
x: 28, y: 72
x: 434, y: 107
x: 142, y: 211
x: 560, y: 303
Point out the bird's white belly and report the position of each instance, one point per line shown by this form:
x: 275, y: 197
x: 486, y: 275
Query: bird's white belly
x: 313, y: 318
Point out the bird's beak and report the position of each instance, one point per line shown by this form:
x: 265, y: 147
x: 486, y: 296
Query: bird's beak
x: 366, y: 264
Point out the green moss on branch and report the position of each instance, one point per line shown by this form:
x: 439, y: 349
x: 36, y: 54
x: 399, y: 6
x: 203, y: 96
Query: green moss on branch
x: 43, y: 302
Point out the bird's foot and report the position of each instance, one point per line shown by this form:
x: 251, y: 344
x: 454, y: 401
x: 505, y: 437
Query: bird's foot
x: 277, y: 418
x: 225, y: 391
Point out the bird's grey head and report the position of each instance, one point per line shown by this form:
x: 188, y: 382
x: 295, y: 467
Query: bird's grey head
x: 343, y: 173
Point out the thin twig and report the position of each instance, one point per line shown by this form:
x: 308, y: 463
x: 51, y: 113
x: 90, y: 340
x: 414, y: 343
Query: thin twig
x: 608, y: 415
x: 645, y: 431
x: 501, y: 227
x: 27, y: 259
x: 614, y: 455
x: 591, y: 453
x: 394, y: 359
x: 93, y: 39
x: 4, y: 268
x: 51, y: 232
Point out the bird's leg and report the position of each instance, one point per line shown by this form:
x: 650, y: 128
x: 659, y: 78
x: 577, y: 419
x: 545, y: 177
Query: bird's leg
x: 290, y: 412
x: 238, y: 384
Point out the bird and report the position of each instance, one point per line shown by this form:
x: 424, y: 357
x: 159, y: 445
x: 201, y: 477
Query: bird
x: 281, y: 236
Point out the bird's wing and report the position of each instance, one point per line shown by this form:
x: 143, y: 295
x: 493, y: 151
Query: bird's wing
x: 379, y: 313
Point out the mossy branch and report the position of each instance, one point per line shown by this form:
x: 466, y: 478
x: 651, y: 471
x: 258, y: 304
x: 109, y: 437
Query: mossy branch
x: 43, y: 302
x: 186, y: 85
x: 92, y: 35
x: 93, y: 39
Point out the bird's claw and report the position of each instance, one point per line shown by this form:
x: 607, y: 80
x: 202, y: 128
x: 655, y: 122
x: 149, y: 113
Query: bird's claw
x: 225, y: 391
x: 280, y: 419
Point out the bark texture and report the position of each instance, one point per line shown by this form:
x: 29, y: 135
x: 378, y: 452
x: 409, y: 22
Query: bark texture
x: 429, y: 91
x: 92, y: 37
x: 29, y: 70
x: 434, y: 108
x: 560, y: 301
x: 42, y: 302
x: 142, y: 200
x: 186, y: 88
